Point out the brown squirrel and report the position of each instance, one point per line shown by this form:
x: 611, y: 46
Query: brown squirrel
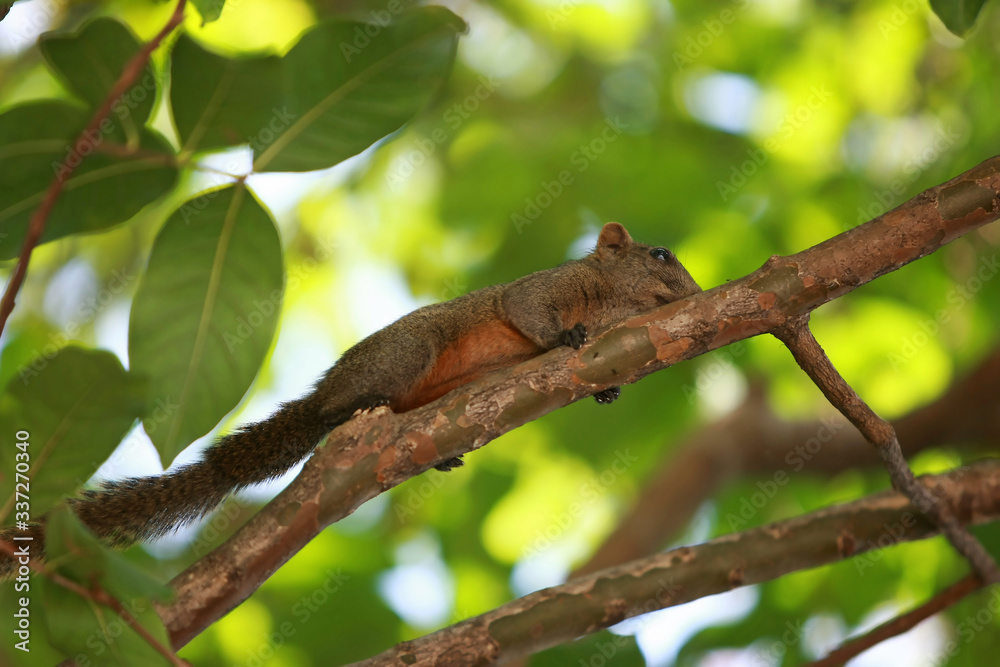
x: 409, y: 363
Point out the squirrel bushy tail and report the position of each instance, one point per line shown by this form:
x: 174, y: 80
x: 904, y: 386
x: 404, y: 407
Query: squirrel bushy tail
x: 143, y: 508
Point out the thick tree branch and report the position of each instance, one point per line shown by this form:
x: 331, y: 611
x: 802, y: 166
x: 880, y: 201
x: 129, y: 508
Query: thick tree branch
x: 587, y: 604
x: 133, y: 68
x: 372, y: 454
x: 753, y: 440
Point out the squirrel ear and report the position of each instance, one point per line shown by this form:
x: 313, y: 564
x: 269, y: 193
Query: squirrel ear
x: 614, y: 238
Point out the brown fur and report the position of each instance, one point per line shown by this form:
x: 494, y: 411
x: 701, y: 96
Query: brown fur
x: 409, y: 363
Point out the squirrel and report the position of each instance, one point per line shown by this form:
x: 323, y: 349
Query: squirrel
x: 409, y: 363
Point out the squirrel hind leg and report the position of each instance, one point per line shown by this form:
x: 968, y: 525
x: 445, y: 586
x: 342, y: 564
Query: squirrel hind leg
x: 608, y: 395
x: 450, y: 464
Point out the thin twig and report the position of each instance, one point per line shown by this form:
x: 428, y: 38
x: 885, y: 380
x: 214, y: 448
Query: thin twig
x: 897, y: 626
x: 36, y: 226
x: 101, y: 597
x: 810, y: 356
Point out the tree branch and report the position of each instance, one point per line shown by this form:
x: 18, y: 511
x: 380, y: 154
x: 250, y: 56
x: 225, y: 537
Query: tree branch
x: 36, y: 225
x: 378, y: 451
x: 753, y: 440
x: 554, y: 615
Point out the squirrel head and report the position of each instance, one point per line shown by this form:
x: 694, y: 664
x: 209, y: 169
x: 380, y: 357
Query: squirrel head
x: 653, y: 273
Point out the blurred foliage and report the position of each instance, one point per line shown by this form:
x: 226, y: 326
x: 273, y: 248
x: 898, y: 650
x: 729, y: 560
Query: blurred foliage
x: 729, y: 131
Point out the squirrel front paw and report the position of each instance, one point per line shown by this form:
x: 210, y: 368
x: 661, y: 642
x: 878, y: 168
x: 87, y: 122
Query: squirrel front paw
x: 574, y: 337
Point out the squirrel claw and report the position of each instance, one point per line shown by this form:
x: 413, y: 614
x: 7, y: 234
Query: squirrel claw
x: 608, y: 395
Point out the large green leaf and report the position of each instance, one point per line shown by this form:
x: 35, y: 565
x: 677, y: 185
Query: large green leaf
x: 350, y: 83
x: 92, y: 633
x: 90, y: 61
x: 219, y: 102
x: 958, y: 15
x: 75, y: 407
x: 103, y: 191
x: 205, y: 313
x: 342, y: 87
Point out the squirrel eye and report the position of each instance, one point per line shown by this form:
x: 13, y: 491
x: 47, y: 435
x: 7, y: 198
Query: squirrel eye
x: 661, y: 254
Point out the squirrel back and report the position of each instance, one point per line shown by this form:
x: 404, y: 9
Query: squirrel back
x: 409, y: 363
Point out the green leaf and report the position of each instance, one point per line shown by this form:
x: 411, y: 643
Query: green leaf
x: 103, y: 191
x: 348, y: 84
x: 219, y: 102
x: 210, y: 10
x: 76, y: 410
x: 342, y: 87
x: 90, y: 60
x: 958, y: 15
x: 82, y: 627
x: 205, y: 313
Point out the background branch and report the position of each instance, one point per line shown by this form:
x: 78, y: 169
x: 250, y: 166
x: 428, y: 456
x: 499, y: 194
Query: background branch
x: 897, y: 626
x: 584, y: 605
x: 752, y: 440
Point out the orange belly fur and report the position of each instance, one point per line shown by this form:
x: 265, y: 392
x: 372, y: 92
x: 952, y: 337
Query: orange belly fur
x: 484, y: 349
